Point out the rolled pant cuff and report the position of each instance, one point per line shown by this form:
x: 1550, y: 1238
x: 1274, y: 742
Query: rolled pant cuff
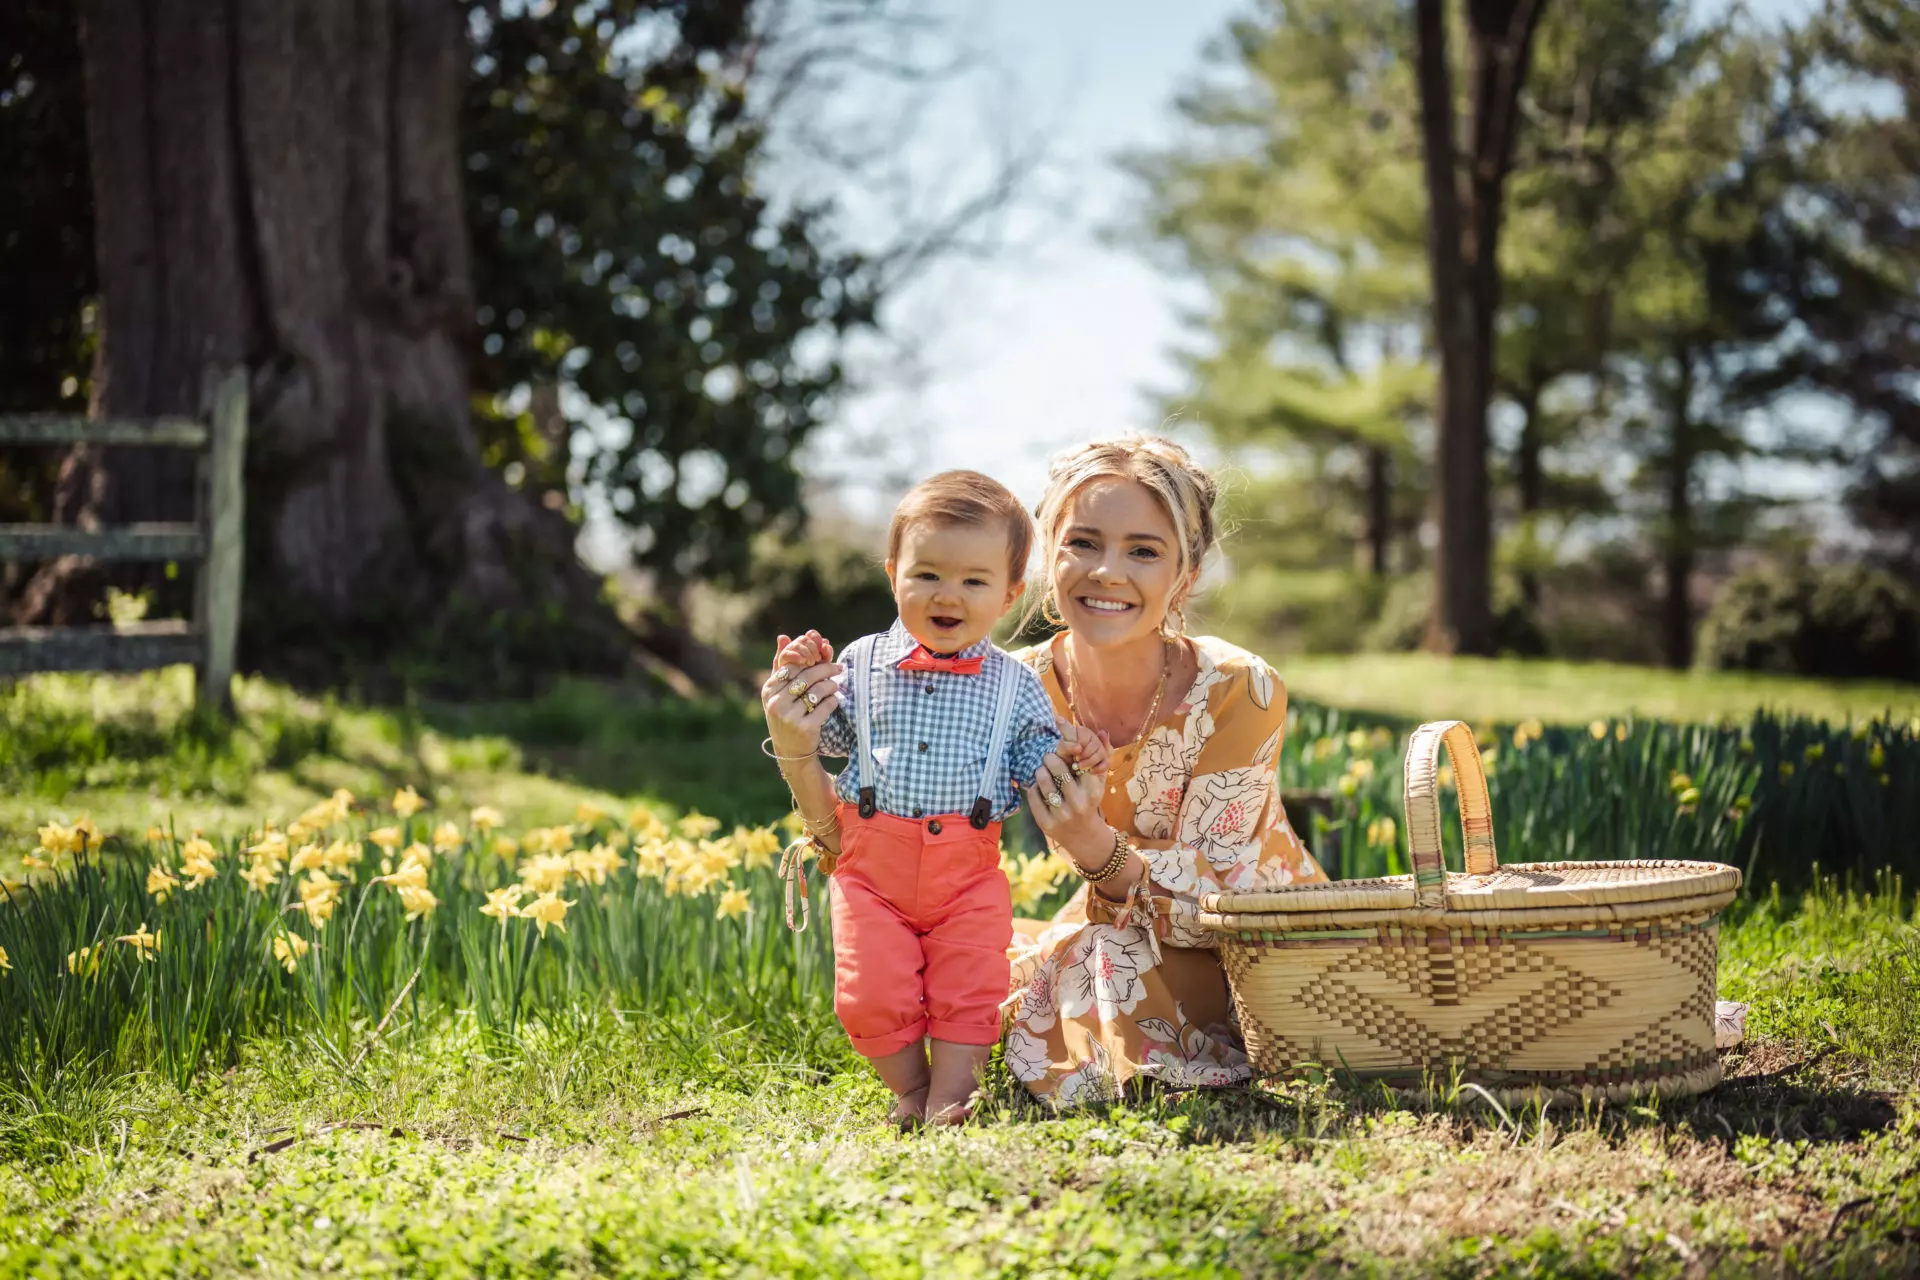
x: 892, y: 1042
x: 966, y: 1032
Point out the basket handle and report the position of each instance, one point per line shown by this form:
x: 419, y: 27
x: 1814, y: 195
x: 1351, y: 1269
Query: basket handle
x: 1423, y: 807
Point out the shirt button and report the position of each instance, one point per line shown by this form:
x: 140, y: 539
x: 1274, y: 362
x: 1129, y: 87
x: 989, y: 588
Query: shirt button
x: 923, y: 746
x: 916, y: 813
x: 929, y: 688
x: 933, y: 828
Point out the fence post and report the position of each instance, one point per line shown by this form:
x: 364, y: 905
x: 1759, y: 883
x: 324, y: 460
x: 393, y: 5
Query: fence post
x: 226, y: 542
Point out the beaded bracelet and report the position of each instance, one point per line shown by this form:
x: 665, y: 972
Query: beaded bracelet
x: 1114, y: 864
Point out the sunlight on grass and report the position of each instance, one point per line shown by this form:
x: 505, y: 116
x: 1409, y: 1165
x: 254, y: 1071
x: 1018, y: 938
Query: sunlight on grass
x: 1418, y: 686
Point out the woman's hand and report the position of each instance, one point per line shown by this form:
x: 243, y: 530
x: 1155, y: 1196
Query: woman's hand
x: 1067, y: 807
x: 799, y: 695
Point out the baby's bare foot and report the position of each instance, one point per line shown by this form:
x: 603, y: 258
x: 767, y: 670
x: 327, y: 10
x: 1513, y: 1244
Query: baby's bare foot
x: 909, y: 1111
x: 952, y: 1113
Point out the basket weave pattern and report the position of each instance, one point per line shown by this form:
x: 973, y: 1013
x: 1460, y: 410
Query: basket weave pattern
x: 1564, y: 980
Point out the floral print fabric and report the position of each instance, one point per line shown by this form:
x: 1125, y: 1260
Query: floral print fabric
x: 1108, y: 991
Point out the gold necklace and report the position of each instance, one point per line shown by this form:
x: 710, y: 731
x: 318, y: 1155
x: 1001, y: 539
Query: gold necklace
x: 1153, y: 711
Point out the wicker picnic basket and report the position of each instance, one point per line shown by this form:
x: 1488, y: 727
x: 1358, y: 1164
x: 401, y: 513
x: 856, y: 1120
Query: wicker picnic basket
x: 1556, y: 980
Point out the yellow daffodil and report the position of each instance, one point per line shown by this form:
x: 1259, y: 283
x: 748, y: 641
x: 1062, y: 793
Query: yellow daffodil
x: 34, y: 864
x: 485, y: 819
x: 1598, y: 729
x: 84, y: 962
x: 6, y: 965
x: 1381, y: 832
x: 197, y: 869
x: 1361, y: 768
x: 298, y: 832
x: 546, y: 873
x: 697, y: 825
x: 501, y: 902
x: 387, y: 838
x: 318, y: 898
x: 446, y: 838
x: 288, y: 948
x: 506, y: 847
x: 1689, y: 798
x: 548, y: 840
x: 793, y: 826
x: 595, y: 864
x: 340, y: 855
x: 1876, y: 756
x: 1678, y: 782
x: 199, y: 848
x: 411, y: 875
x: 757, y: 846
x: 650, y: 860
x: 1786, y: 769
x: 156, y: 834
x: 417, y: 852
x: 272, y: 847
x: 588, y: 814
x: 417, y: 900
x: 732, y: 903
x: 56, y: 839
x: 1620, y: 731
x: 261, y: 875
x: 646, y: 825
x: 309, y: 857
x: 1444, y: 776
x: 548, y: 908
x: 1815, y: 751
x: 407, y: 802
x: 161, y: 882
x: 86, y: 834
x: 146, y: 944
x: 1347, y: 784
x: 342, y: 799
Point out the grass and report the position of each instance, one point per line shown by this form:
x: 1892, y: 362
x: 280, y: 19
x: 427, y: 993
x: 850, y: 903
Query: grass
x: 624, y: 1120
x: 677, y: 1146
x: 1417, y: 686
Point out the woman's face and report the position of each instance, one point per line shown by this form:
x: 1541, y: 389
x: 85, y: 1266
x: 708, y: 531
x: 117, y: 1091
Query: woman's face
x: 1116, y: 566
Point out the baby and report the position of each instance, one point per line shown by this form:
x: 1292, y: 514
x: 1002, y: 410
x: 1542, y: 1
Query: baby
x: 942, y: 728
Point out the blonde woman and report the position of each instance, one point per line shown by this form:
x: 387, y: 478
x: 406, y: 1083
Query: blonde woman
x: 1123, y: 982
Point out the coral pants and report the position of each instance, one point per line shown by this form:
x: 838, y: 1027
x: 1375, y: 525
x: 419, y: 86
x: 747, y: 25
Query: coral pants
x: 922, y: 916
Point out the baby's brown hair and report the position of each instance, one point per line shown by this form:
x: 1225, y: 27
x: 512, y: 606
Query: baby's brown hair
x: 966, y: 498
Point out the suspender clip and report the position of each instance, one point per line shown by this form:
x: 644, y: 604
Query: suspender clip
x: 867, y: 805
x: 982, y: 811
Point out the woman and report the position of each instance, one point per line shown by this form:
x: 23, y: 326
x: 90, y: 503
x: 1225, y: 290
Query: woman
x: 1123, y: 981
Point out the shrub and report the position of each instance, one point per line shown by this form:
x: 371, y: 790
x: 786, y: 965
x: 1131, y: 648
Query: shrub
x: 1836, y: 620
x: 830, y: 586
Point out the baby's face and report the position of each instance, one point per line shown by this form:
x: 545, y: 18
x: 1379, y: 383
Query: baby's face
x: 952, y: 583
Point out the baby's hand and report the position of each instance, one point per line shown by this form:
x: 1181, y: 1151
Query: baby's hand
x: 803, y: 651
x: 1083, y: 748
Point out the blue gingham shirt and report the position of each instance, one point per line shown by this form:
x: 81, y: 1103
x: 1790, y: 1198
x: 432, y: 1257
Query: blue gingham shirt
x: 931, y: 731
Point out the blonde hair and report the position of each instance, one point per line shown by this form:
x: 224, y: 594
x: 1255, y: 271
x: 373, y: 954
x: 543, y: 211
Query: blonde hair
x: 965, y: 498
x: 1185, y: 490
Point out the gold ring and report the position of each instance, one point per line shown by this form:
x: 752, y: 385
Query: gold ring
x: 810, y: 700
x: 782, y: 675
x: 1053, y: 799
x: 797, y: 688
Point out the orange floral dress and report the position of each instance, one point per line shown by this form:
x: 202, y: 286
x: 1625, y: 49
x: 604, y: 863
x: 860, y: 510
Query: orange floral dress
x: 1108, y: 991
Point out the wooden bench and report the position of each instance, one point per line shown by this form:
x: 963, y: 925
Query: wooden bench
x: 215, y: 540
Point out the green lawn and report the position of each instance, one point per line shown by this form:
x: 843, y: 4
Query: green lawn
x: 669, y: 1146
x: 1418, y: 686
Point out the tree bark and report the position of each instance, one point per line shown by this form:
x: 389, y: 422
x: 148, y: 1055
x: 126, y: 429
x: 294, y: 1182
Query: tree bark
x: 1531, y: 476
x: 1463, y: 243
x: 1379, y: 509
x: 1678, y: 556
x: 277, y: 186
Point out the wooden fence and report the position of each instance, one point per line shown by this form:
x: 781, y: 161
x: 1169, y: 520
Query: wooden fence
x: 215, y: 539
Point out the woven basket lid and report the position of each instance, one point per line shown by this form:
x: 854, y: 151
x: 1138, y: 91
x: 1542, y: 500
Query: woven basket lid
x: 1519, y: 886
x: 1486, y: 885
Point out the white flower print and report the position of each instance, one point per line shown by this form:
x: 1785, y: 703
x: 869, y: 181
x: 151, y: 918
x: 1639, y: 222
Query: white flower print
x: 1159, y: 782
x: 1101, y: 971
x: 1269, y: 753
x: 1172, y: 869
x: 1091, y: 1082
x: 1223, y: 813
x: 1260, y: 684
x: 1026, y: 1055
x: 1210, y: 675
x: 1037, y: 1008
x: 1040, y: 658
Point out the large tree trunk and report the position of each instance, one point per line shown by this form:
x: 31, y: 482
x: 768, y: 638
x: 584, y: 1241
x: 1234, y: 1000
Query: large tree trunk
x: 1463, y: 242
x: 1379, y: 510
x: 277, y: 186
x: 1531, y: 476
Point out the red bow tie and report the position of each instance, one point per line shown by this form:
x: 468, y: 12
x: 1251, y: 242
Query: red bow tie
x: 924, y: 659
